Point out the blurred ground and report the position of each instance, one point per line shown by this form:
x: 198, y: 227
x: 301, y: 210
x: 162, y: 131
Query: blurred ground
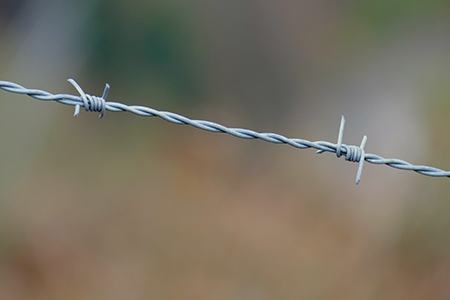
x: 136, y: 208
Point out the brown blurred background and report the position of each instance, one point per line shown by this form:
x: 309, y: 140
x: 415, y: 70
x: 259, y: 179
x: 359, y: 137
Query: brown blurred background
x: 137, y: 208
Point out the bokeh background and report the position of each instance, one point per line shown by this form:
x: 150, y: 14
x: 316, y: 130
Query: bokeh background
x: 137, y: 208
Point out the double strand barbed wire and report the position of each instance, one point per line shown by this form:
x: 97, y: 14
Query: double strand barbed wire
x: 351, y: 153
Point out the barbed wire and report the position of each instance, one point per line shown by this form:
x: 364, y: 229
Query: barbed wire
x: 351, y: 153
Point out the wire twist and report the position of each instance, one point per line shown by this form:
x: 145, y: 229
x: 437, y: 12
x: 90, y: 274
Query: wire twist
x: 352, y: 153
x: 91, y: 103
x: 99, y: 104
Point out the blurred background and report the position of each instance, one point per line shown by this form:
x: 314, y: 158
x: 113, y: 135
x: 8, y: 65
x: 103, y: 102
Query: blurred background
x: 138, y: 208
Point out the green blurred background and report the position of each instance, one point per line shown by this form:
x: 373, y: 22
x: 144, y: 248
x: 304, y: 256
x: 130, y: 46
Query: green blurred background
x: 137, y: 208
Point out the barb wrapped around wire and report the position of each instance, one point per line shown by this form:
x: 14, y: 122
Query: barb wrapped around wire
x: 91, y: 103
x: 352, y: 153
x: 99, y: 104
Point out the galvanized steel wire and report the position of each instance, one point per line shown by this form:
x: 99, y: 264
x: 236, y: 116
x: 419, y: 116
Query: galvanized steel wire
x: 351, y: 153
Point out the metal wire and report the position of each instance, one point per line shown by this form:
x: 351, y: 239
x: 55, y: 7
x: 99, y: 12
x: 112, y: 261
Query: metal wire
x: 352, y: 153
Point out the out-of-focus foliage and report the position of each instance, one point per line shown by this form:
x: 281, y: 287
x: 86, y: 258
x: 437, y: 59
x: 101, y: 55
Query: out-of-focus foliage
x: 147, y: 46
x: 382, y: 16
x: 136, y: 208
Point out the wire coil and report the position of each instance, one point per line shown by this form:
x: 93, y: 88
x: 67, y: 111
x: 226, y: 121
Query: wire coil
x: 352, y: 153
x: 91, y: 103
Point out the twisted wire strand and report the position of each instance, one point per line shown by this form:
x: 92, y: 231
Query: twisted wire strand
x: 99, y: 104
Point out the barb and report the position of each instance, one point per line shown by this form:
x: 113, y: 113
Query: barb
x: 352, y: 153
x: 90, y: 103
